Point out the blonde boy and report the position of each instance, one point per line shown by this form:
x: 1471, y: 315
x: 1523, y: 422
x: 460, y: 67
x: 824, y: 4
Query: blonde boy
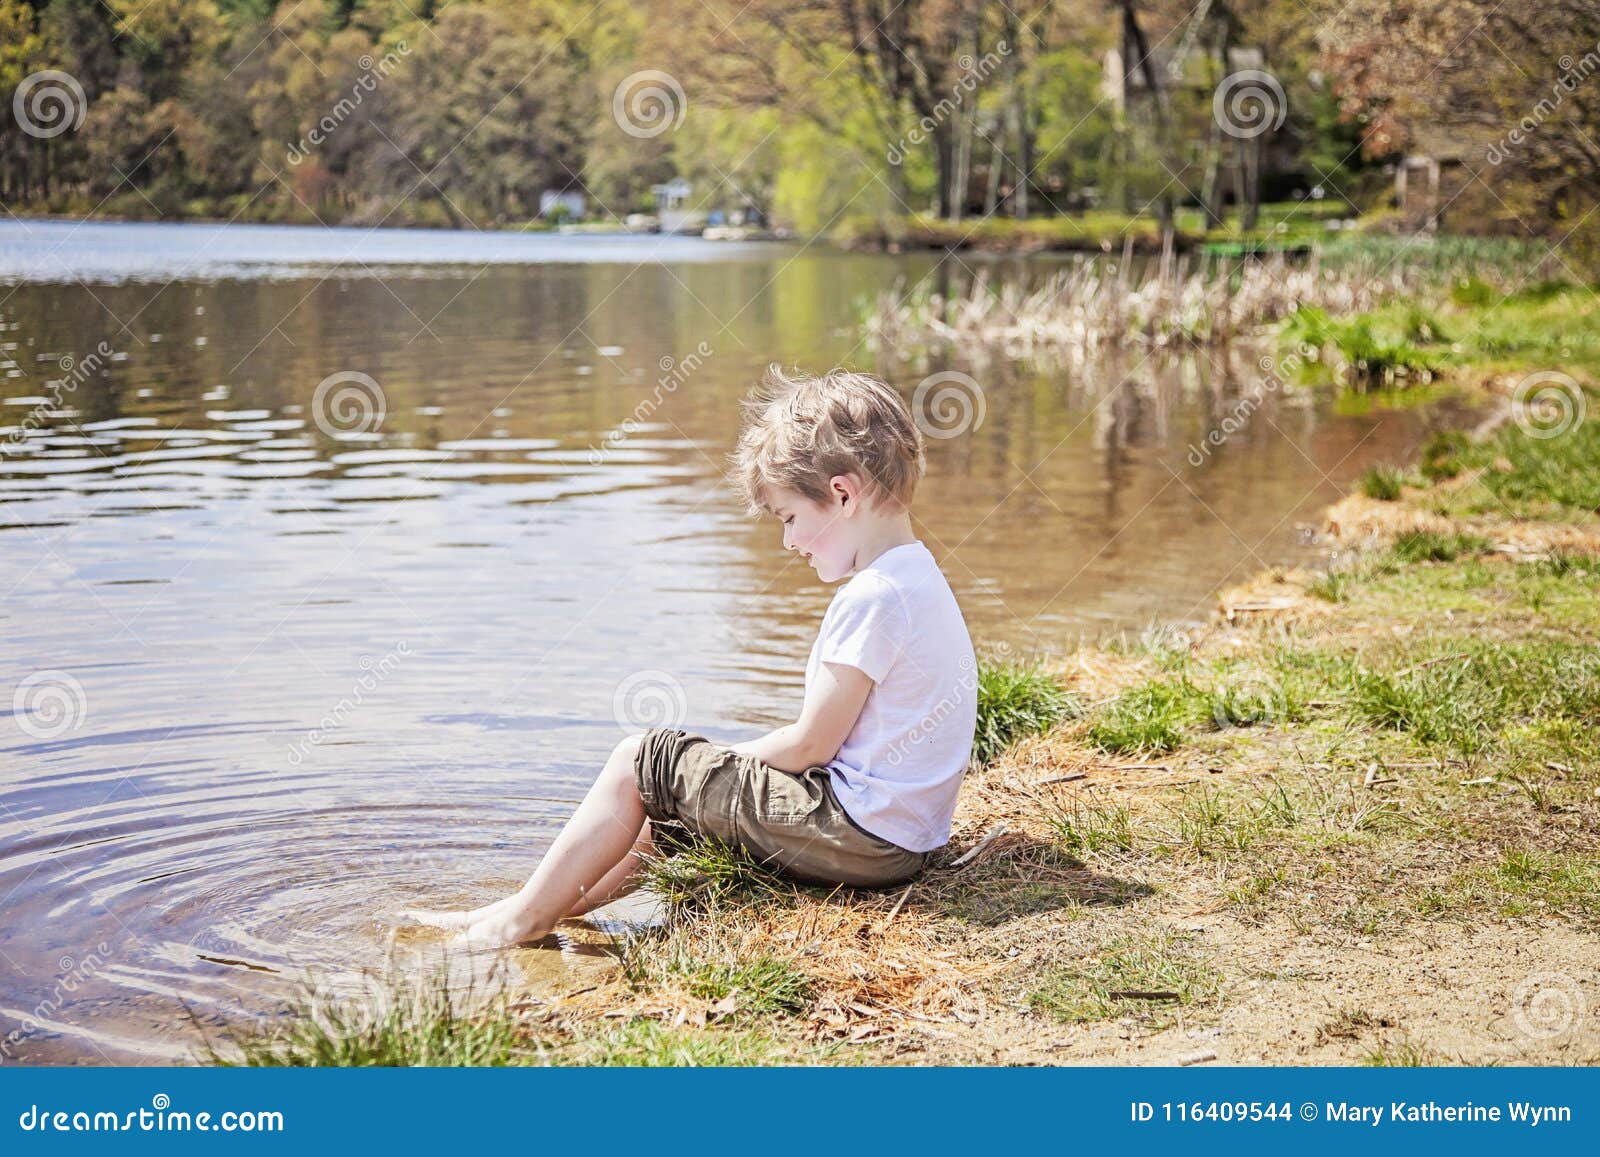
x: 862, y: 786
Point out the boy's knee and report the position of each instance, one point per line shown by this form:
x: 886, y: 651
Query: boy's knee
x: 626, y: 754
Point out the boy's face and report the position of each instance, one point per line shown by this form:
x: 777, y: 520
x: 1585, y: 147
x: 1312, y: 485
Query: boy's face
x: 823, y: 533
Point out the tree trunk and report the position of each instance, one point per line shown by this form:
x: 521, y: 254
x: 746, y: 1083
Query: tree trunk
x: 943, y: 155
x: 1133, y: 37
x: 1211, y: 187
x: 963, y: 165
x: 1021, y: 204
x: 1018, y: 129
x: 991, y: 192
x: 1252, y: 183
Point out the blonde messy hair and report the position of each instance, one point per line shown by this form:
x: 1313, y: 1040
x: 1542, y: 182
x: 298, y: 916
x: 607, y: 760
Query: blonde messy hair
x: 803, y: 430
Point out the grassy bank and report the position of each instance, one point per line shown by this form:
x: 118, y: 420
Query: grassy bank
x: 1469, y: 329
x: 1355, y: 820
x: 1290, y: 223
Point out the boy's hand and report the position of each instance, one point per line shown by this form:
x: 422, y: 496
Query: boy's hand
x: 833, y: 704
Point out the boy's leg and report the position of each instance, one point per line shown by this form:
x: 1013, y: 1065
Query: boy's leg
x: 597, y: 839
x: 620, y: 880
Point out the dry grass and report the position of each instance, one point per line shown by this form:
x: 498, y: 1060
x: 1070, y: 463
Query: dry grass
x: 1359, y: 522
x: 1094, y: 304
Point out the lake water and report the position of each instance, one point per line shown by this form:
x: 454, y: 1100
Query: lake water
x: 281, y: 658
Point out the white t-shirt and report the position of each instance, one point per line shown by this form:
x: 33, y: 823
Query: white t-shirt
x: 900, y: 769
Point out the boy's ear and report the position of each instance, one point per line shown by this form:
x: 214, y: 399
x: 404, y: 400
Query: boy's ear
x: 845, y: 490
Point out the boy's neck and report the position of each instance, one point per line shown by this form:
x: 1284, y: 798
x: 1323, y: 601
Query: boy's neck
x: 887, y: 534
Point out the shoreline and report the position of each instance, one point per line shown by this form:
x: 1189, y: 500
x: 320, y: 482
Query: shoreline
x: 1088, y: 233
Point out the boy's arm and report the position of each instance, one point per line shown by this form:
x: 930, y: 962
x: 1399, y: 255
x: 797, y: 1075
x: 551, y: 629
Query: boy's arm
x: 832, y: 706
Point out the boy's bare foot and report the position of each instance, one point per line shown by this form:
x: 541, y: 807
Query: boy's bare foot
x: 450, y: 921
x: 498, y: 930
x: 497, y: 925
x: 456, y: 921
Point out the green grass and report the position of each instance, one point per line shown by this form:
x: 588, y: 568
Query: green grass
x: 1220, y: 819
x: 1477, y: 316
x: 1155, y: 717
x: 1243, y: 696
x: 1206, y: 821
x: 1016, y: 700
x: 647, y: 1043
x: 1473, y: 291
x: 1431, y: 546
x: 1147, y: 719
x: 1442, y: 455
x: 1289, y: 223
x: 1561, y: 592
x: 1384, y: 483
x: 762, y: 986
x: 407, y: 1022
x: 1405, y: 1055
x: 1523, y: 881
x: 1372, y: 357
x: 1252, y: 896
x: 1402, y: 704
x: 1087, y: 827
x: 1544, y: 325
x: 1465, y: 694
x: 1486, y: 266
x: 1166, y: 646
x: 1105, y: 984
x: 1375, y: 348
x: 1548, y: 476
x: 1422, y: 327
x: 394, y: 1022
x: 1335, y: 586
x: 696, y: 874
x: 1447, y: 685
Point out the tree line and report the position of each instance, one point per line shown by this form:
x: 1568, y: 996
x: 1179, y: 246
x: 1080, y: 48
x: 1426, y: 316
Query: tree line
x: 807, y: 112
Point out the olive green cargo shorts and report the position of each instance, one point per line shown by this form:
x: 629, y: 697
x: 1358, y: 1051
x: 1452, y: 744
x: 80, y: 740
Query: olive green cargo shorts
x: 789, y: 821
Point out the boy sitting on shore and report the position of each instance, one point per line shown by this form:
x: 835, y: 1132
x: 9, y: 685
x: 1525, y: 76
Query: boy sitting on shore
x: 863, y: 785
